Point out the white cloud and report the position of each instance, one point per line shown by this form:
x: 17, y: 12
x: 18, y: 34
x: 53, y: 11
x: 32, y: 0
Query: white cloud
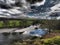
x: 39, y: 3
x: 55, y: 8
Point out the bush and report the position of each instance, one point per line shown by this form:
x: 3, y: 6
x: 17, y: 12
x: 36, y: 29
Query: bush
x: 52, y: 41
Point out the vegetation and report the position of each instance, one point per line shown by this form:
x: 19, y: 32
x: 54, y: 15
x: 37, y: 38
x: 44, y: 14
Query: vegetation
x: 52, y: 41
x: 50, y: 24
x: 38, y: 41
x: 15, y: 23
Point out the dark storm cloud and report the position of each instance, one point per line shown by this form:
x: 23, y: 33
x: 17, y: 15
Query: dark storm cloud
x: 28, y: 7
x: 33, y: 1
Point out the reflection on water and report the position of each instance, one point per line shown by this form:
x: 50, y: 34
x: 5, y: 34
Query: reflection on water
x: 6, y: 38
x: 38, y: 32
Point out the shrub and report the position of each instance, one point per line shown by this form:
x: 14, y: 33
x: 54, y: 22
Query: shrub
x: 52, y: 41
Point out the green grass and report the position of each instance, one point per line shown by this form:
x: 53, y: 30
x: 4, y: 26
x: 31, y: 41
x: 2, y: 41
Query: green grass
x: 52, y: 41
x: 56, y: 31
x: 1, y: 24
x: 15, y: 23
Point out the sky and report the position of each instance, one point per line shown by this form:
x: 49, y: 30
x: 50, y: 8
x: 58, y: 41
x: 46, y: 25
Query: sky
x: 43, y: 8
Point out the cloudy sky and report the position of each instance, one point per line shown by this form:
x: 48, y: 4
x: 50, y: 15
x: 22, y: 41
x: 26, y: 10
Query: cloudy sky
x: 29, y: 7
